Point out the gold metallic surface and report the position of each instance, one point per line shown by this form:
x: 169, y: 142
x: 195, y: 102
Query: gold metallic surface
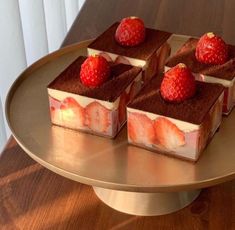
x: 146, y: 204
x: 103, y: 162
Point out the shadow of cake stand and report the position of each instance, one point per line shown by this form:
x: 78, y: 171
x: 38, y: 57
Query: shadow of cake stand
x: 127, y: 178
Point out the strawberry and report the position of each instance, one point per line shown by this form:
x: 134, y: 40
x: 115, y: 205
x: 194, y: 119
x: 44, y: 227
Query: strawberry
x: 54, y: 102
x: 95, y: 70
x: 121, y: 59
x: 106, y: 56
x: 72, y: 113
x: 130, y: 31
x: 168, y: 134
x: 140, y: 129
x: 211, y: 49
x: 54, y: 109
x: 98, y: 117
x: 178, y: 84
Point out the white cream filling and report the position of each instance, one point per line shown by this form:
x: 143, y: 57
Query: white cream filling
x: 82, y: 100
x: 132, y: 61
x: 182, y: 125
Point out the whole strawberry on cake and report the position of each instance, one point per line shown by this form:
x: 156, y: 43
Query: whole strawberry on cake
x: 130, y: 42
x: 176, y: 114
x: 211, y: 60
x: 91, y: 94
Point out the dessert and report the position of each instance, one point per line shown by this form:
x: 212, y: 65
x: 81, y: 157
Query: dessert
x: 132, y: 44
x: 210, y: 61
x: 78, y: 103
x: 167, y: 117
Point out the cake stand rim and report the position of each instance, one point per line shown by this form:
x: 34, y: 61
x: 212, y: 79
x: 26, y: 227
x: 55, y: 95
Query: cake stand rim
x: 83, y: 179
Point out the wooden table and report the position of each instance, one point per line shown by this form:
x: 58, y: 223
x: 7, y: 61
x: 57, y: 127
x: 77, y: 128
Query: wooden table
x: 32, y: 197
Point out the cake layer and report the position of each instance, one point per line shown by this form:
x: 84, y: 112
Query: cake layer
x: 192, y: 110
x: 106, y: 42
x: 101, y: 110
x: 121, y: 76
x: 186, y: 55
x: 91, y: 115
x: 222, y: 74
x: 170, y: 136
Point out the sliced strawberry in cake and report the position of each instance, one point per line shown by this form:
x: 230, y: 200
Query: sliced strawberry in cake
x: 54, y: 109
x: 72, y: 113
x: 175, y: 114
x: 122, y: 60
x: 91, y: 95
x: 98, y: 117
x: 211, y: 60
x: 140, y: 129
x: 168, y: 134
x: 106, y: 56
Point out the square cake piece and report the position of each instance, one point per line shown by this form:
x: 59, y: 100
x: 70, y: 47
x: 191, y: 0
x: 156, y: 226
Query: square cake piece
x: 223, y: 74
x: 150, y: 54
x: 100, y: 110
x: 179, y: 129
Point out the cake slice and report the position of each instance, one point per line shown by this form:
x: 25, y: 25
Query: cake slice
x: 213, y: 73
x: 98, y: 110
x: 169, y: 118
x: 150, y: 54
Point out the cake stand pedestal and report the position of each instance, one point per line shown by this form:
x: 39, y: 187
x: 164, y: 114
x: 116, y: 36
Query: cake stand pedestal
x: 127, y: 178
x: 146, y: 204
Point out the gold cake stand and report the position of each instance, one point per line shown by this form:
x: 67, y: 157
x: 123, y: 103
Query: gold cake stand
x: 127, y: 178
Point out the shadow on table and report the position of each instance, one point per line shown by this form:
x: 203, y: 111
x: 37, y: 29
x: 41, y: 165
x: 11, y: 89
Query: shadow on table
x: 13, y: 159
x: 97, y: 215
x: 32, y: 190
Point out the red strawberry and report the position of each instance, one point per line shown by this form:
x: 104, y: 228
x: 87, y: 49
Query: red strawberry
x: 72, y: 113
x: 168, y: 134
x: 124, y: 98
x: 95, y: 70
x: 130, y: 32
x: 178, y: 84
x: 98, y: 117
x: 140, y: 129
x: 211, y: 49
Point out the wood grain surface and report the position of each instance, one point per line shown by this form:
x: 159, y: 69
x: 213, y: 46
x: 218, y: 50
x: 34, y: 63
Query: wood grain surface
x: 189, y: 17
x: 32, y: 197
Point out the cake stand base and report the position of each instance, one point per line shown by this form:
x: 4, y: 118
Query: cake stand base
x: 146, y: 204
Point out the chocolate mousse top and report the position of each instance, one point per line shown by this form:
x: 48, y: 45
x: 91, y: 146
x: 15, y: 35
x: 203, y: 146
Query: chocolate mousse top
x: 192, y: 110
x: 186, y: 55
x: 153, y: 40
x: 121, y: 76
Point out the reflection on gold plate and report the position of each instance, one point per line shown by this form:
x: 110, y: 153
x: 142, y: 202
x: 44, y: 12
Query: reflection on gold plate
x: 103, y: 162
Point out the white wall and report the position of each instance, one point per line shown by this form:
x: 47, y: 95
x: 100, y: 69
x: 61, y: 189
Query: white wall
x: 29, y: 30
